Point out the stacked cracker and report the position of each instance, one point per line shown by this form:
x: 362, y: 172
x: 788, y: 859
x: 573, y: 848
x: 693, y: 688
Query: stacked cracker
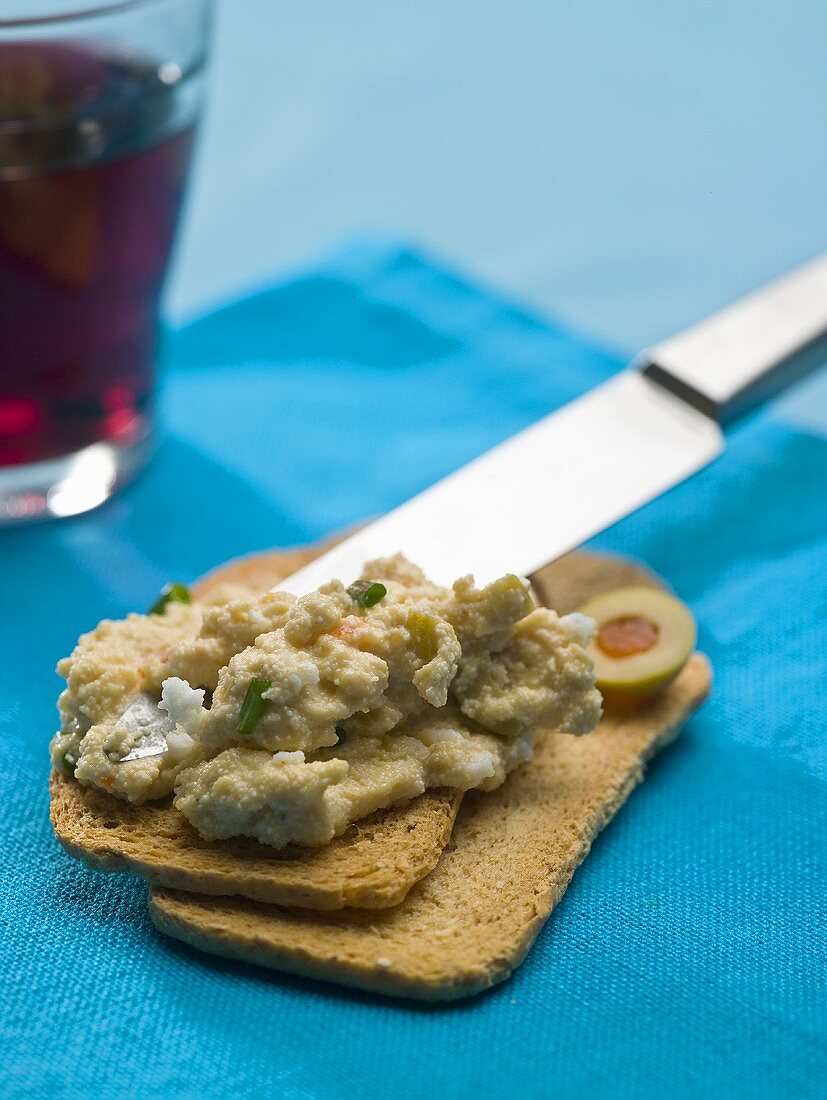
x: 436, y: 899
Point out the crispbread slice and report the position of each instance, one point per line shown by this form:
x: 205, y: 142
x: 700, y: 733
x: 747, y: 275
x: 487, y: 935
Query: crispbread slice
x: 567, y: 583
x: 373, y: 864
x: 256, y: 572
x: 471, y: 921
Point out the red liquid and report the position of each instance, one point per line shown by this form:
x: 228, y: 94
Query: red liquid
x: 94, y: 150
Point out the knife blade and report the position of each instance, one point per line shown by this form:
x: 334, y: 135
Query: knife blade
x: 580, y: 469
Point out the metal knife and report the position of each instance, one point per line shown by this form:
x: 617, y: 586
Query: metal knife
x: 619, y: 446
x: 582, y: 468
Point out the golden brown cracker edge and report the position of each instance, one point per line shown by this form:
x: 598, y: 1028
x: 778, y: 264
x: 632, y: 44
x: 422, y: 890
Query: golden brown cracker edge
x: 467, y: 925
x: 373, y: 864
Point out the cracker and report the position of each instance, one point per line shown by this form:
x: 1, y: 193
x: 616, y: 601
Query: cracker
x: 372, y: 865
x: 256, y: 572
x: 513, y: 852
x: 567, y: 583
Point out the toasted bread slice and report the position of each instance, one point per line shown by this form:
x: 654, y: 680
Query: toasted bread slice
x: 512, y: 853
x: 373, y: 864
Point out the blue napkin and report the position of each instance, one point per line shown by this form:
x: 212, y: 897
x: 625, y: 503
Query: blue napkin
x: 687, y: 958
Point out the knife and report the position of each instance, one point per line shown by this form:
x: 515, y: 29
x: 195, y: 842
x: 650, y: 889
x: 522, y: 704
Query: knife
x: 577, y: 471
x: 621, y: 445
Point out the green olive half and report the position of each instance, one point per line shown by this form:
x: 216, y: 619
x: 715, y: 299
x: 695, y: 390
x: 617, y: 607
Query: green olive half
x: 644, y: 638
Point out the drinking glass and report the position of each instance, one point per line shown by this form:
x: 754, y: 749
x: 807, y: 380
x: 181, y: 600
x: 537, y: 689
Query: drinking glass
x: 98, y: 108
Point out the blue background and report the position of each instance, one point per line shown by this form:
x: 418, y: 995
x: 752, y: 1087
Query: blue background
x: 624, y: 169
x: 627, y: 168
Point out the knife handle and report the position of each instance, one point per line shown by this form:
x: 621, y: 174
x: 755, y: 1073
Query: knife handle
x: 750, y: 350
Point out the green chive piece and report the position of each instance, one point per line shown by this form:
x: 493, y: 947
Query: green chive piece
x: 253, y: 706
x: 367, y: 593
x: 170, y: 593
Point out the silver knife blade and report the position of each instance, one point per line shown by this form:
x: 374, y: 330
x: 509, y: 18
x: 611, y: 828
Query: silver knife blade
x: 540, y: 493
x: 582, y: 468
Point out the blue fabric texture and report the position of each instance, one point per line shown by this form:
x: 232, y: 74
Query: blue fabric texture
x: 687, y: 958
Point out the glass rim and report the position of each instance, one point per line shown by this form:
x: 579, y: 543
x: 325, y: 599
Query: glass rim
x: 85, y: 11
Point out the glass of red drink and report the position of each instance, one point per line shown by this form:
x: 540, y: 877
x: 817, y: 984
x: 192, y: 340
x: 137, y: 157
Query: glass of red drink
x: 97, y: 114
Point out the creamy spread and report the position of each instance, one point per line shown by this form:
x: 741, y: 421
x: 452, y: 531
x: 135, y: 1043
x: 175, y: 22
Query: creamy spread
x: 286, y: 720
